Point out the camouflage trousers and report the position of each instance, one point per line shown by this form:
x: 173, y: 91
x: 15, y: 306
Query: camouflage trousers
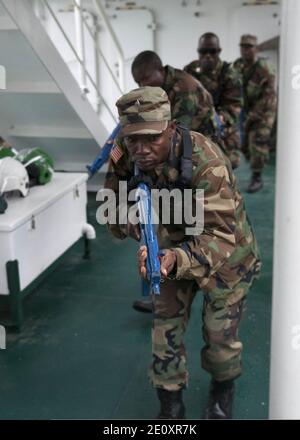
x: 257, y: 145
x: 221, y: 354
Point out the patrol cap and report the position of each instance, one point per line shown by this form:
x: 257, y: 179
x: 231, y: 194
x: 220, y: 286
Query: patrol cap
x: 145, y: 110
x: 249, y: 39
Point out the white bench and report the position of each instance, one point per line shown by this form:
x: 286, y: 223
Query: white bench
x: 36, y: 230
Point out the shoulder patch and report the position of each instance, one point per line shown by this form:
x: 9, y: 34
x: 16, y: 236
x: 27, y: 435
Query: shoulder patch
x: 116, y: 153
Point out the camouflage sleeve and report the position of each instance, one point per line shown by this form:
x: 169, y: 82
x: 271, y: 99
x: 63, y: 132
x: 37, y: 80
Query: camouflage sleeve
x: 192, y: 105
x: 264, y: 107
x: 205, y: 119
x: 185, y: 107
x: 195, y: 110
x: 202, y: 255
x: 231, y: 101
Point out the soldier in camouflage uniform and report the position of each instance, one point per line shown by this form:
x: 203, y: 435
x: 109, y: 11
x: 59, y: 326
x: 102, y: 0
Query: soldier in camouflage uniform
x: 222, y: 261
x: 191, y: 104
x: 259, y: 107
x: 225, y: 85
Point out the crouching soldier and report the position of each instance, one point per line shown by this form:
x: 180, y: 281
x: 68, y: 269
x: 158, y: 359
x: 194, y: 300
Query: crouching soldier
x: 222, y: 261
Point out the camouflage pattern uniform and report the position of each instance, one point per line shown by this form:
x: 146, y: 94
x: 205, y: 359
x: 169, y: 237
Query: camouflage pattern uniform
x: 191, y: 103
x: 260, y: 110
x: 223, y: 261
x: 224, y: 83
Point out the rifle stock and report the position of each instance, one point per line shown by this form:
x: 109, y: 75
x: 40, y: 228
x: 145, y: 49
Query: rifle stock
x: 103, y: 156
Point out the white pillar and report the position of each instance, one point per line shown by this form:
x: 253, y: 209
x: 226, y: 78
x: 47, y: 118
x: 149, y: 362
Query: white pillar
x: 285, y: 343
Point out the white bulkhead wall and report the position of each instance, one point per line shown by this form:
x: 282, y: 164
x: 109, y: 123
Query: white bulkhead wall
x: 170, y: 27
x: 179, y: 27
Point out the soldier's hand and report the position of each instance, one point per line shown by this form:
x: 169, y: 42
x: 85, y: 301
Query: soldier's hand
x: 142, y: 257
x: 167, y: 262
x: 222, y: 119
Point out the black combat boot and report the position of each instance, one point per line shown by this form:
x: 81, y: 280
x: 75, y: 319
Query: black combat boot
x: 172, y: 406
x: 256, y: 183
x: 220, y: 400
x: 142, y: 305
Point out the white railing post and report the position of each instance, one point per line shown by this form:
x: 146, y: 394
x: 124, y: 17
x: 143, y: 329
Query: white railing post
x: 80, y: 44
x: 121, y: 67
x: 96, y: 55
x: 121, y: 60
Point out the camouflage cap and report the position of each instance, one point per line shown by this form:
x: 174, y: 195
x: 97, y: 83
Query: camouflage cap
x: 144, y: 111
x: 249, y: 39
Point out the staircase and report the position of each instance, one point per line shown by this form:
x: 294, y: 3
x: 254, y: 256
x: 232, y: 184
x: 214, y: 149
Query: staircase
x: 53, y: 97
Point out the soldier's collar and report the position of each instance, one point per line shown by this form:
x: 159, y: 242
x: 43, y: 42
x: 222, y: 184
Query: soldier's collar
x: 218, y: 67
x: 214, y: 71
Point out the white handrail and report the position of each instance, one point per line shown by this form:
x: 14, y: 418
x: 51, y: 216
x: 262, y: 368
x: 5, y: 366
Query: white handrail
x: 81, y: 61
x: 97, y: 48
x: 80, y: 43
x: 121, y: 62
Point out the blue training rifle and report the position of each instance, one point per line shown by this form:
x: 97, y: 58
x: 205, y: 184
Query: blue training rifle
x: 149, y: 239
x: 220, y: 126
x: 103, y: 156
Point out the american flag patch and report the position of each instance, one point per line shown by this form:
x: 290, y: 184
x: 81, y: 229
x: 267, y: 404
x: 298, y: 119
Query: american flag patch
x: 116, y: 153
